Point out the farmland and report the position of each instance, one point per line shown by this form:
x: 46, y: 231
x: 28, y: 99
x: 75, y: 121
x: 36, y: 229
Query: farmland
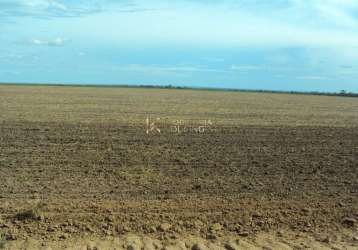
x: 82, y: 162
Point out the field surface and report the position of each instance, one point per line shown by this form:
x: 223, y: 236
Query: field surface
x: 222, y: 170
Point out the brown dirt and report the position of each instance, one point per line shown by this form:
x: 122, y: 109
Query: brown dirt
x: 76, y: 164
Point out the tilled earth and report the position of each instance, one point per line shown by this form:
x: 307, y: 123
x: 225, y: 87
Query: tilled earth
x: 64, y: 180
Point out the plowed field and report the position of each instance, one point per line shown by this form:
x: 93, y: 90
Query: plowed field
x: 88, y: 162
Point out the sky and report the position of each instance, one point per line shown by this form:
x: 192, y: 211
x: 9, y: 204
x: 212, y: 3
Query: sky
x: 301, y: 45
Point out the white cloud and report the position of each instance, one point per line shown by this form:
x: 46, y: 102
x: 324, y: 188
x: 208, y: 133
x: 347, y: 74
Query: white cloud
x: 12, y: 56
x: 11, y: 72
x: 319, y: 78
x: 247, y: 67
x: 47, y: 8
x: 160, y: 68
x: 213, y: 59
x: 54, y: 42
x: 43, y: 4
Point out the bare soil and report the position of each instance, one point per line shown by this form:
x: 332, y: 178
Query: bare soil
x: 79, y: 171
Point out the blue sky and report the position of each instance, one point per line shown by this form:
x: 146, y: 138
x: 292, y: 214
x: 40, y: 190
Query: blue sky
x: 305, y: 45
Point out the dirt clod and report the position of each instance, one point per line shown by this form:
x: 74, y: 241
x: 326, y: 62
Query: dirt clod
x: 244, y: 234
x: 164, y: 227
x: 216, y: 227
x: 230, y: 246
x: 199, y: 246
x: 349, y: 222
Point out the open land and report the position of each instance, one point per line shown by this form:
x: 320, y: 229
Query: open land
x: 123, y: 168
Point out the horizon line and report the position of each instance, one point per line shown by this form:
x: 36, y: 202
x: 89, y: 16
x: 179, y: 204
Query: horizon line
x: 342, y: 93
